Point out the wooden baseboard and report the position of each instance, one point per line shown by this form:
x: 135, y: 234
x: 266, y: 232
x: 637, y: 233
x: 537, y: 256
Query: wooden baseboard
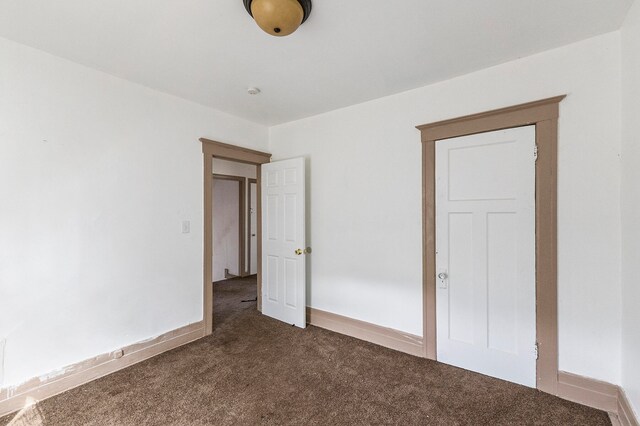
x: 37, y: 389
x: 387, y: 337
x: 626, y: 415
x: 597, y: 394
x: 587, y: 391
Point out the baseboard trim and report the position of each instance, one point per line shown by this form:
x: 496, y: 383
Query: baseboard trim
x: 597, y: 394
x: 37, y: 389
x: 583, y: 390
x: 387, y: 337
x: 626, y: 415
x: 591, y: 392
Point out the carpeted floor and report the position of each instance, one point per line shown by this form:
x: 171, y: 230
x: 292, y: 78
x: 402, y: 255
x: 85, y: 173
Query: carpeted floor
x: 256, y: 370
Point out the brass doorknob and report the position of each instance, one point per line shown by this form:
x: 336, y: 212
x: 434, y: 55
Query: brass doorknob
x: 305, y: 251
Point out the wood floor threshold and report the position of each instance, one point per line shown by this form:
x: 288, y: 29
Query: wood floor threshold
x: 387, y: 337
x: 40, y: 388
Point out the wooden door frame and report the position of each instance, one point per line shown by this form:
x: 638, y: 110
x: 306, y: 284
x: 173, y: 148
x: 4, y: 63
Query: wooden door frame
x: 544, y: 115
x: 242, y: 233
x: 211, y: 149
x: 249, y: 182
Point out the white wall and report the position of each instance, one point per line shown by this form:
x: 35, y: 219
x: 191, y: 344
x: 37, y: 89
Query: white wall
x: 226, y: 228
x: 96, y: 176
x: 365, y: 195
x: 631, y: 206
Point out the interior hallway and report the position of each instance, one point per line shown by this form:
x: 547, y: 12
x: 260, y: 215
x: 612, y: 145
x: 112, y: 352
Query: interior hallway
x: 255, y: 370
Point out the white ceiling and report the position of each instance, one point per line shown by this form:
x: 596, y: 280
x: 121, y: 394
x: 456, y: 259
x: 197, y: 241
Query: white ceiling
x: 349, y: 51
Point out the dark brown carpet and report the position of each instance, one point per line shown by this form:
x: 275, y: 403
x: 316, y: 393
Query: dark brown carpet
x: 255, y: 370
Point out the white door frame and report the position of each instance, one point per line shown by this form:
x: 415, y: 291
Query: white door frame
x: 544, y: 115
x: 211, y: 149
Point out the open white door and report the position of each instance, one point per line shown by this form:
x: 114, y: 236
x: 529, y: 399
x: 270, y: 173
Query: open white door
x: 283, y: 241
x: 485, y: 253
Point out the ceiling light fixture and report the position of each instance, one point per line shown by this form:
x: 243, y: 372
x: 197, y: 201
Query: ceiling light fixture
x: 278, y: 17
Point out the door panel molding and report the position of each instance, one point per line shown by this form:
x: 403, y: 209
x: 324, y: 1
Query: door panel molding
x: 544, y: 115
x: 211, y: 149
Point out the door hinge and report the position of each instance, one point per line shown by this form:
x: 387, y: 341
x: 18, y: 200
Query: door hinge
x: 535, y: 152
x: 535, y: 351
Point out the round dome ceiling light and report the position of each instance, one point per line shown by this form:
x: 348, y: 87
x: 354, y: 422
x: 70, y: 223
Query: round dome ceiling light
x: 278, y: 17
x: 253, y: 90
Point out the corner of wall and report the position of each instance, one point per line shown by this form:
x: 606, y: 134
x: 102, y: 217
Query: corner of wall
x: 3, y: 345
x: 630, y: 203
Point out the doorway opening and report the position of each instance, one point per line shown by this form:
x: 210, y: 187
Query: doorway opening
x: 543, y: 115
x: 221, y: 163
x: 229, y: 217
x: 234, y: 288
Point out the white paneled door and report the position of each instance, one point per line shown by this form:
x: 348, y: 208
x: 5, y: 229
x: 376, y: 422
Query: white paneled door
x: 485, y: 253
x: 283, y: 241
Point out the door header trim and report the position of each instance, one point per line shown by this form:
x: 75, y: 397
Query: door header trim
x: 497, y: 119
x: 234, y: 153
